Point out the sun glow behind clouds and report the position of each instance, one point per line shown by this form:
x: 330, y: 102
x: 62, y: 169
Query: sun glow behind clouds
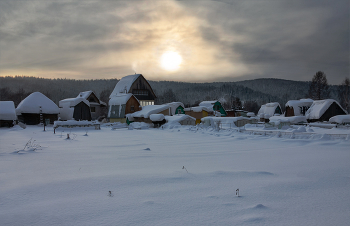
x: 171, y: 61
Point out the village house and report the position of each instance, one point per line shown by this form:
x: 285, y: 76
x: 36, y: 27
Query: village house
x: 37, y: 108
x: 144, y: 114
x: 198, y: 112
x: 268, y: 110
x: 74, y: 109
x: 121, y: 105
x: 130, y: 94
x: 297, y: 107
x: 215, y: 105
x: 138, y: 86
x: 7, y: 113
x: 323, y: 110
x: 97, y: 107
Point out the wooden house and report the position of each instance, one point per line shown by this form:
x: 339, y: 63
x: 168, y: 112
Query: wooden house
x: 138, y: 86
x: 75, y: 109
x: 121, y: 105
x: 323, y: 110
x: 98, y: 108
x: 268, y: 110
x: 7, y: 113
x: 37, y: 108
x: 297, y: 107
x: 198, y: 112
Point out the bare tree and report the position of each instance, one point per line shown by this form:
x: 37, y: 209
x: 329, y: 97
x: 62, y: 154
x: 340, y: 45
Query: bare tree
x: 344, y: 94
x: 319, y: 88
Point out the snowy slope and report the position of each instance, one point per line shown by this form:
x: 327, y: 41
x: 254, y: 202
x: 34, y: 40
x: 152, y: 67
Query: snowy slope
x: 179, y: 176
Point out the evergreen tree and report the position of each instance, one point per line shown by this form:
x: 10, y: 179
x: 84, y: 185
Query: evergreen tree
x: 319, y: 88
x: 344, y: 94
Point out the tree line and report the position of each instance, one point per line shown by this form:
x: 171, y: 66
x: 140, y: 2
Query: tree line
x: 247, y: 95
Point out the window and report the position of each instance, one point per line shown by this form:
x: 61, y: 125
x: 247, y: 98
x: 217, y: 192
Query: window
x: 132, y: 108
x: 93, y: 109
x: 140, y: 92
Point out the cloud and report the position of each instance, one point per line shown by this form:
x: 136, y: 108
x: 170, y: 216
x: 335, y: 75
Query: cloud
x: 218, y: 40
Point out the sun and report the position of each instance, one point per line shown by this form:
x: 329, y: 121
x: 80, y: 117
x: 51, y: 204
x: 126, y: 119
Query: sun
x: 171, y: 61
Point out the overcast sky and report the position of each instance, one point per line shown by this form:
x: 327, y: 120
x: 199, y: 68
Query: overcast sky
x: 221, y: 40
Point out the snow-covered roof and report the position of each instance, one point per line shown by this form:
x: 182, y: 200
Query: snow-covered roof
x: 340, y: 119
x: 33, y: 102
x: 7, y: 110
x: 199, y: 109
x: 292, y: 119
x: 297, y: 104
x: 208, y: 104
x: 120, y: 99
x: 124, y: 84
x: 178, y: 118
x: 148, y: 110
x: 173, y: 106
x: 268, y: 110
x: 319, y: 107
x: 85, y: 94
x: 251, y: 114
x: 71, y: 102
x: 156, y: 117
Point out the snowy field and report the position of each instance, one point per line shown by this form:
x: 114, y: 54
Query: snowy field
x: 174, y: 176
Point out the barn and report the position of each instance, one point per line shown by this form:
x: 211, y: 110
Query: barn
x: 297, y: 107
x: 7, y: 113
x: 37, y: 108
x: 323, y: 110
x: 121, y: 105
x: 75, y: 109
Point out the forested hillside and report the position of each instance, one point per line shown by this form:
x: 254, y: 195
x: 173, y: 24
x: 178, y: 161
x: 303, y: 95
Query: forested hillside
x: 232, y: 94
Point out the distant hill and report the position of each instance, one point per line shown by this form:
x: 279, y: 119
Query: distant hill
x: 259, y: 90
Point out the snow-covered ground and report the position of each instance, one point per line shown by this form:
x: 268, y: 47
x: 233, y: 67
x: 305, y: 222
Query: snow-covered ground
x: 174, y: 176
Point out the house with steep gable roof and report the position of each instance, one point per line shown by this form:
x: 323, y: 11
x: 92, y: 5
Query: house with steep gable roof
x: 138, y: 86
x: 268, y: 110
x: 323, y: 110
x: 97, y: 107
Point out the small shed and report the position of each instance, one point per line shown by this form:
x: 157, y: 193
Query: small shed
x: 97, y: 107
x: 37, y: 108
x: 215, y: 105
x: 323, y: 110
x: 7, y: 113
x: 297, y: 107
x: 75, y: 109
x: 121, y: 105
x: 198, y: 112
x: 268, y: 110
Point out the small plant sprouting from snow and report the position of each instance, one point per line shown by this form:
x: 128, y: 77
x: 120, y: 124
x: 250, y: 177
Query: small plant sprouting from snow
x: 184, y: 168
